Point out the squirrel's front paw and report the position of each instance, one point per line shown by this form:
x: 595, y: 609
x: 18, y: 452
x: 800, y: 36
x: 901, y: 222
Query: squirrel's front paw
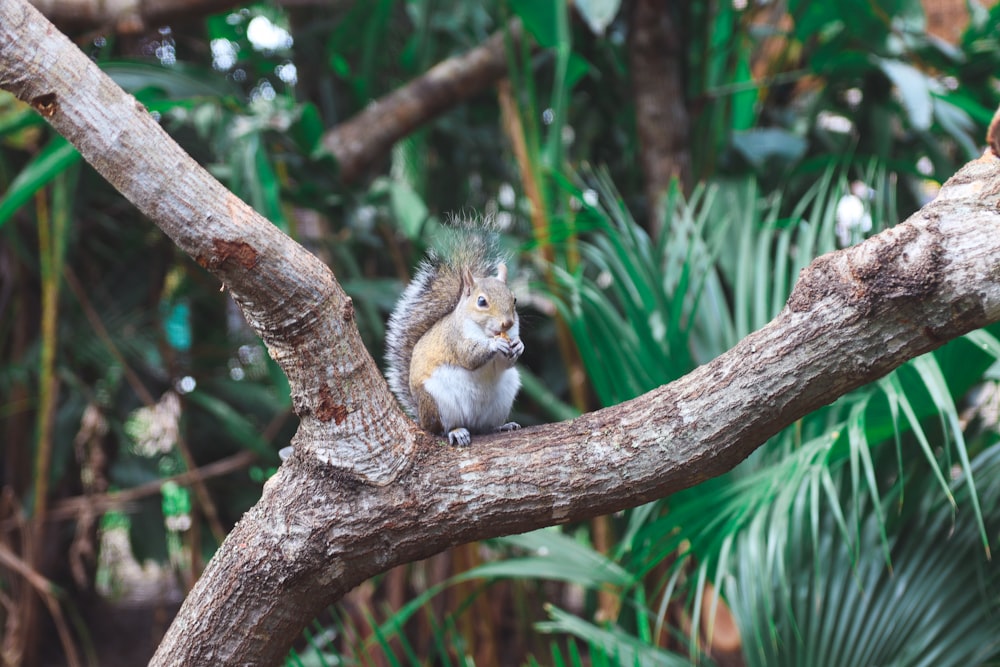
x: 501, y: 345
x: 459, y: 437
x: 509, y: 348
x: 516, y: 349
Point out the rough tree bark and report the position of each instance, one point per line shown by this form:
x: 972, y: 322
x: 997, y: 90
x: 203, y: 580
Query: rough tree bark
x: 366, y: 490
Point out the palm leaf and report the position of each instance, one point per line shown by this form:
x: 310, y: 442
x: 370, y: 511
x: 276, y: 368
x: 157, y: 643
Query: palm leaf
x: 622, y: 647
x: 934, y: 604
x: 827, y: 473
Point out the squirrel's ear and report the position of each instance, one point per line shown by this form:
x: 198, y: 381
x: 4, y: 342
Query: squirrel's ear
x: 502, y: 272
x: 467, y: 281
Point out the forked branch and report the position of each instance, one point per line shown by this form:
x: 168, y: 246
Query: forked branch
x: 366, y: 491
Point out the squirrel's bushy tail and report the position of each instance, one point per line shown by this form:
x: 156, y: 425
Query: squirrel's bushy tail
x: 432, y: 295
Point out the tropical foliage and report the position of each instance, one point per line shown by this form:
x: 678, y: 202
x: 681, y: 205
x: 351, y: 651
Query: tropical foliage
x: 132, y: 390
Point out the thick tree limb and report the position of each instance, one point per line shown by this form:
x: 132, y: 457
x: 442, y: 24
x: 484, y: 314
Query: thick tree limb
x: 368, y: 136
x: 365, y: 490
x: 136, y: 16
x: 124, y: 16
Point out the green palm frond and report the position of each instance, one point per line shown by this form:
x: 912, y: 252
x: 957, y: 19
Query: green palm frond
x: 736, y: 256
x: 722, y: 267
x: 932, y: 603
x: 609, y: 645
x: 638, y: 292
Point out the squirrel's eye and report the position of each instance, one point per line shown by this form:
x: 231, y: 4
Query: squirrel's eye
x: 481, y: 301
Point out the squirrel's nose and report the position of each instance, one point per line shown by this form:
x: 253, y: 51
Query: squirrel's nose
x: 506, y: 324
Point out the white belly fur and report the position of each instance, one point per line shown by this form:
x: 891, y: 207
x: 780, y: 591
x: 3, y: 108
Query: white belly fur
x: 478, y: 400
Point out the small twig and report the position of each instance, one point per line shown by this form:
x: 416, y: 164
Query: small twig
x: 201, y: 492
x: 46, y: 590
x: 71, y: 508
x: 50, y: 226
x: 13, y: 562
x: 102, y: 333
x: 277, y: 421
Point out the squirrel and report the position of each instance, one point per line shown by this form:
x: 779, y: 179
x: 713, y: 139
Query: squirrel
x: 453, y: 339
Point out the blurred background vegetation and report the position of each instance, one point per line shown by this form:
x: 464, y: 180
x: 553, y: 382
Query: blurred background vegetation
x: 660, y: 171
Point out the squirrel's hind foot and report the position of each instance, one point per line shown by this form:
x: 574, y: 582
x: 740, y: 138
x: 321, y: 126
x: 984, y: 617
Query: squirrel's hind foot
x: 459, y: 437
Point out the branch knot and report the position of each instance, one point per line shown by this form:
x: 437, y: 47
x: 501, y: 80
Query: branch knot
x: 903, y: 262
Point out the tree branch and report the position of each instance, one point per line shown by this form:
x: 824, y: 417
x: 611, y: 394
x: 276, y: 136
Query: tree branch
x: 135, y: 16
x: 363, y: 139
x: 369, y: 135
x: 365, y: 490
x: 125, y: 16
x: 99, y: 503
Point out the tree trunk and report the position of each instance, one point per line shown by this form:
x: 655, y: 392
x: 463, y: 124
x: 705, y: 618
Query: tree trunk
x: 366, y: 490
x: 662, y: 122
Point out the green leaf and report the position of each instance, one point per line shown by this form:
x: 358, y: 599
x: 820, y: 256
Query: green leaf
x: 958, y: 124
x: 934, y: 380
x: 308, y: 129
x: 408, y: 208
x: 178, y: 81
x: 540, y: 19
x: 556, y: 556
x: 986, y: 341
x: 914, y: 90
x: 893, y: 390
x: 623, y: 648
x: 977, y: 112
x: 57, y: 156
x: 577, y: 67
x: 765, y: 146
x: 844, y: 605
x: 16, y: 117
